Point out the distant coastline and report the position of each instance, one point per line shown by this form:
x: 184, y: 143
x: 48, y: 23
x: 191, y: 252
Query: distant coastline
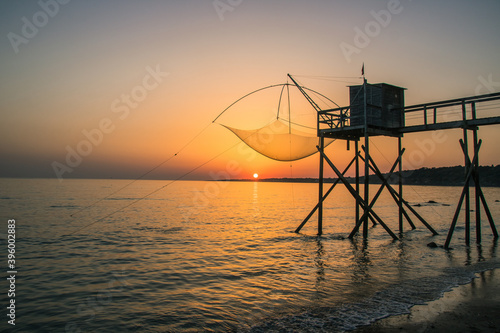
x: 489, y: 176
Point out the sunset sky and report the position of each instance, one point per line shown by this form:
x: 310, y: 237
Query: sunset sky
x: 67, y: 68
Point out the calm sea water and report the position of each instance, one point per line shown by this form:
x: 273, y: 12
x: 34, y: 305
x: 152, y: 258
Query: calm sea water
x: 222, y: 256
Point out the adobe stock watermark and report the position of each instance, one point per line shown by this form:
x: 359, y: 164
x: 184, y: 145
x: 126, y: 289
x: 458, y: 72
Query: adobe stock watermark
x: 121, y: 106
x: 363, y: 37
x: 426, y: 147
x: 486, y: 85
x: 31, y: 26
x: 223, y: 6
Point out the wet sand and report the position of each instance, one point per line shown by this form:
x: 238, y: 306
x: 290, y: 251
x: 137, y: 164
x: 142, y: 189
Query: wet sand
x: 474, y: 307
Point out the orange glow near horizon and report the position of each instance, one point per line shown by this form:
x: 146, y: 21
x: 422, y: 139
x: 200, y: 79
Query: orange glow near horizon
x: 162, y: 81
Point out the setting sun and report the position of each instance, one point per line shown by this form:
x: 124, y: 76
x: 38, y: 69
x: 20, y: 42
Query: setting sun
x: 255, y: 175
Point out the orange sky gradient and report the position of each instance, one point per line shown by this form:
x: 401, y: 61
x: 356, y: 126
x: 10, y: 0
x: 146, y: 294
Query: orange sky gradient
x: 68, y: 77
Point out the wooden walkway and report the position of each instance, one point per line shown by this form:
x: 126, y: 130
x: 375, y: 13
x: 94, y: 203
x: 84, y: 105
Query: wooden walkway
x: 432, y: 116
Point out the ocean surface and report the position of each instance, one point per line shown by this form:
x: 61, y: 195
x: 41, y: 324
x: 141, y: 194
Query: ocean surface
x: 188, y: 256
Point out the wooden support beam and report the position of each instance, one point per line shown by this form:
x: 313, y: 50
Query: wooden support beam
x: 320, y: 182
x: 488, y: 213
x: 398, y: 198
x: 476, y: 180
x: 357, y: 181
x: 462, y: 196
x: 465, y: 148
x: 400, y: 185
x: 324, y: 196
x: 403, y: 211
x: 417, y: 215
x: 367, y: 170
x: 455, y: 218
x: 481, y: 195
x: 356, y: 195
x: 382, y: 223
x: 385, y: 181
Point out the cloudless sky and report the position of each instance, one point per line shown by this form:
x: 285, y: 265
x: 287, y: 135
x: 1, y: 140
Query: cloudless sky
x: 65, y: 75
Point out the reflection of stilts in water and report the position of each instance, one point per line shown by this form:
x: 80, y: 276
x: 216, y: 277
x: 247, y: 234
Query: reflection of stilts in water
x: 480, y: 257
x: 480, y: 253
x: 319, y: 262
x: 361, y: 260
x: 468, y: 259
x: 487, y: 276
x: 478, y: 286
x: 493, y: 248
x: 402, y: 256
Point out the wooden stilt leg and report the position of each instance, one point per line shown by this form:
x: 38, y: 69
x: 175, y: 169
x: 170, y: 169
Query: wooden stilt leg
x: 400, y: 184
x: 466, y: 187
x: 357, y: 180
x: 324, y: 197
x: 462, y: 196
x: 320, y: 200
x: 476, y: 181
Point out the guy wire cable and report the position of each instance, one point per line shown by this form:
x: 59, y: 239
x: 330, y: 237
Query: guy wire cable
x: 154, y: 191
x: 143, y: 175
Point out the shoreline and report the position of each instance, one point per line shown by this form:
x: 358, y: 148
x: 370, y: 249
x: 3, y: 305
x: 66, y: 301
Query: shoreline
x: 472, y: 307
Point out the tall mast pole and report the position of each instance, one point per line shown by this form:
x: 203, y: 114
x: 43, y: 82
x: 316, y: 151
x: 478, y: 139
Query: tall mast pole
x: 367, y: 158
x: 309, y: 99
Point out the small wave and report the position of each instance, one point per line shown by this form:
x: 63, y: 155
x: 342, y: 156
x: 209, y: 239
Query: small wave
x: 63, y: 206
x: 159, y: 229
x: 173, y: 229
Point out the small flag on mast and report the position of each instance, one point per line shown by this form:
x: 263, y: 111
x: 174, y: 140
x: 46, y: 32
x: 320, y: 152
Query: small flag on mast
x: 363, y: 70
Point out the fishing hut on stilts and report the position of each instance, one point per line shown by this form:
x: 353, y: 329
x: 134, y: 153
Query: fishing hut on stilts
x: 379, y: 110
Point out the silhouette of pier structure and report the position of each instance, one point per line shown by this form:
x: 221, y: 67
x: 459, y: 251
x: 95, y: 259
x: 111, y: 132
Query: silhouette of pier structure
x: 379, y: 110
